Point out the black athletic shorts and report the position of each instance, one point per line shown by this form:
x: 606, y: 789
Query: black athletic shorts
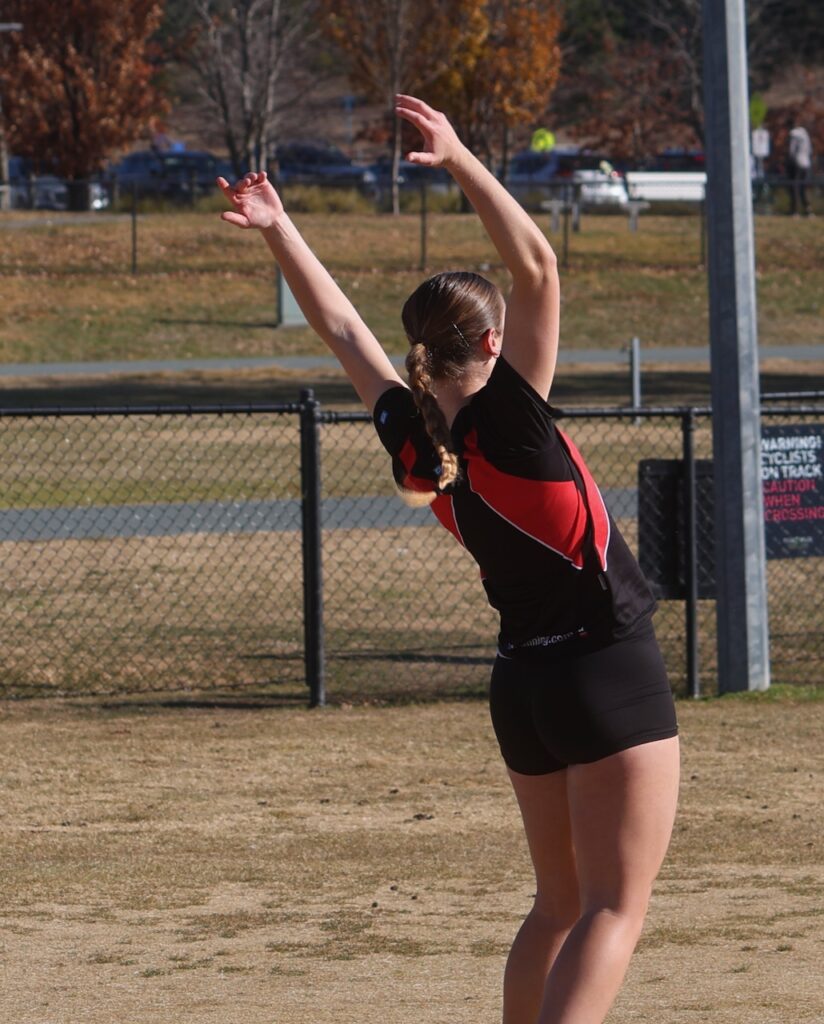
x: 550, y: 710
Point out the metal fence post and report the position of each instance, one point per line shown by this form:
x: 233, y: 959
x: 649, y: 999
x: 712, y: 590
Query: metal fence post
x: 310, y: 486
x: 565, y: 256
x: 702, y: 217
x: 690, y: 553
x: 635, y: 375
x: 424, y: 210
x: 134, y: 229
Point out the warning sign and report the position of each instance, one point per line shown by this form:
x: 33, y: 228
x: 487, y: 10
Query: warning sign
x: 792, y: 479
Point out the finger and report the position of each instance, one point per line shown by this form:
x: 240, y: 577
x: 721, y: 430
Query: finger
x: 225, y: 187
x: 415, y: 118
x: 424, y: 159
x: 235, y: 218
x: 246, y: 182
x: 413, y: 103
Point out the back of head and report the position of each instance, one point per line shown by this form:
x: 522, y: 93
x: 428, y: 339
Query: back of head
x: 448, y: 314
x: 444, y: 319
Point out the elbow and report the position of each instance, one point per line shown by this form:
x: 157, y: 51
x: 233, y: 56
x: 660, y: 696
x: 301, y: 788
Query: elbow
x: 549, y: 263
x: 541, y: 270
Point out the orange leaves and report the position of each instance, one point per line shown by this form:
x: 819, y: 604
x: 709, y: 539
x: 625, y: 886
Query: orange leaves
x: 76, y: 84
x: 636, y: 101
x: 504, y: 65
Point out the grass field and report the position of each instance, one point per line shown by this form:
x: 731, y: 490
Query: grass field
x: 206, y: 290
x: 190, y: 863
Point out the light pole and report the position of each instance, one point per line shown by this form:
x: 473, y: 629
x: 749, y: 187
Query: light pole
x: 743, y: 637
x: 5, y: 187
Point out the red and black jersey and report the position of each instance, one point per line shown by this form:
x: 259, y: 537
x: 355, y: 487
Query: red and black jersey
x: 526, y: 507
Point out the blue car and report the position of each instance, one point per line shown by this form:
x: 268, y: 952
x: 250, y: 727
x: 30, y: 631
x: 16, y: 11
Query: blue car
x: 304, y: 163
x: 410, y: 176
x: 588, y: 174
x: 177, y: 176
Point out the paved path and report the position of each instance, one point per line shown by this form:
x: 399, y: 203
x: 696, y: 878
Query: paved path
x: 587, y: 356
x: 223, y: 517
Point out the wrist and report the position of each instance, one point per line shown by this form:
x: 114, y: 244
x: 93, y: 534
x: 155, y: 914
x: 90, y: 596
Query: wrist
x: 275, y: 225
x: 461, y: 163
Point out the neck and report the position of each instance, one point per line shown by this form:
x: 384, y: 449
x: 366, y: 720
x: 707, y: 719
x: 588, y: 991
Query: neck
x: 453, y: 395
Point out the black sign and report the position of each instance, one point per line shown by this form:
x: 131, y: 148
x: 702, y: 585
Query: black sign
x: 792, y: 479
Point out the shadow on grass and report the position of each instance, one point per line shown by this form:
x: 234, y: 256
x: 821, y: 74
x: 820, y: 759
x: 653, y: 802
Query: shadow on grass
x: 411, y: 657
x: 209, y: 322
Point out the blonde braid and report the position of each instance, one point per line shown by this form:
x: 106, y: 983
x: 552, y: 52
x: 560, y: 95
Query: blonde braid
x: 420, y: 381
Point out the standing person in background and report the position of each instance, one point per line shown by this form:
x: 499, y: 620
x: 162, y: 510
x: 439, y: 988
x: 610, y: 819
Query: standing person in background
x: 580, y: 701
x: 799, y: 165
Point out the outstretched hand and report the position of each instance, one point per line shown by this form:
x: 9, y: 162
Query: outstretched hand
x: 255, y: 203
x: 441, y: 144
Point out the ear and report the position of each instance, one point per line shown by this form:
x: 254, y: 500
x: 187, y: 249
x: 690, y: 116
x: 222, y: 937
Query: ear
x: 491, y: 342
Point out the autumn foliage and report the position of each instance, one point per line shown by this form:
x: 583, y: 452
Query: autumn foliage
x: 635, y: 102
x: 505, y: 62
x: 77, y: 83
x: 492, y: 64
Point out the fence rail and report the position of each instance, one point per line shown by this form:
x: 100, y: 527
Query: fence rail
x: 258, y: 550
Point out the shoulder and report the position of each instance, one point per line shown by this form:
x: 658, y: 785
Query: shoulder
x: 394, y: 415
x: 509, y: 408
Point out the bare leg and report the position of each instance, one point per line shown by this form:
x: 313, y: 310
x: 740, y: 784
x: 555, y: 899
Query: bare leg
x: 621, y: 811
x: 545, y: 812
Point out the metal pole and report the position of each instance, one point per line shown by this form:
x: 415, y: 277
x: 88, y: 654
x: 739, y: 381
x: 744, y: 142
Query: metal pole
x: 423, y: 224
x: 312, y: 548
x: 690, y: 553
x: 702, y: 213
x: 134, y: 229
x: 565, y: 254
x: 635, y: 374
x: 743, y: 639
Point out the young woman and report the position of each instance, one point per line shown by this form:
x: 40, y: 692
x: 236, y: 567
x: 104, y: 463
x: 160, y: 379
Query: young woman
x: 580, y: 701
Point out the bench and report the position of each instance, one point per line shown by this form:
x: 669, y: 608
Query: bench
x: 558, y: 206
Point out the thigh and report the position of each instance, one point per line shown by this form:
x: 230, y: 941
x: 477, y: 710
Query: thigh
x: 544, y: 807
x: 621, y: 815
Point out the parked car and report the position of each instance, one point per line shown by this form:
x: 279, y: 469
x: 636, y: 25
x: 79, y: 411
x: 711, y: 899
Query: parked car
x: 566, y: 169
x: 177, y: 176
x: 410, y: 176
x: 30, y: 191
x: 534, y: 167
x: 303, y: 163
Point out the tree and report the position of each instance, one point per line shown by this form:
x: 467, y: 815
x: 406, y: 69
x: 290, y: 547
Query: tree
x: 252, y: 59
x: 651, y: 55
x: 392, y: 46
x: 637, y: 102
x: 504, y: 66
x: 491, y: 64
x: 77, y: 82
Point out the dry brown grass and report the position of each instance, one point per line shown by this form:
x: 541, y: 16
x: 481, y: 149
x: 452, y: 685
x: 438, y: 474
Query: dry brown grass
x: 204, y: 290
x: 366, y: 865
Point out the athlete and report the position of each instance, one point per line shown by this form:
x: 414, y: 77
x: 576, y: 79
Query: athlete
x: 580, y: 701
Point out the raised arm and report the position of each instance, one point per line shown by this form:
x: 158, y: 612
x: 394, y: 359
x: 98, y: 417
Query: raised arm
x: 255, y: 204
x: 532, y: 314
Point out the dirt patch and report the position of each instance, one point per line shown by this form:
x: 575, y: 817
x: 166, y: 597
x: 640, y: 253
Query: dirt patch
x: 366, y: 864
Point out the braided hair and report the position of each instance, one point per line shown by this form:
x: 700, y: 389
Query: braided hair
x: 444, y: 318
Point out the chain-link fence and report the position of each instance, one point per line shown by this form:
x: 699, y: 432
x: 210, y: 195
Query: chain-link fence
x: 253, y: 550
x: 151, y: 552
